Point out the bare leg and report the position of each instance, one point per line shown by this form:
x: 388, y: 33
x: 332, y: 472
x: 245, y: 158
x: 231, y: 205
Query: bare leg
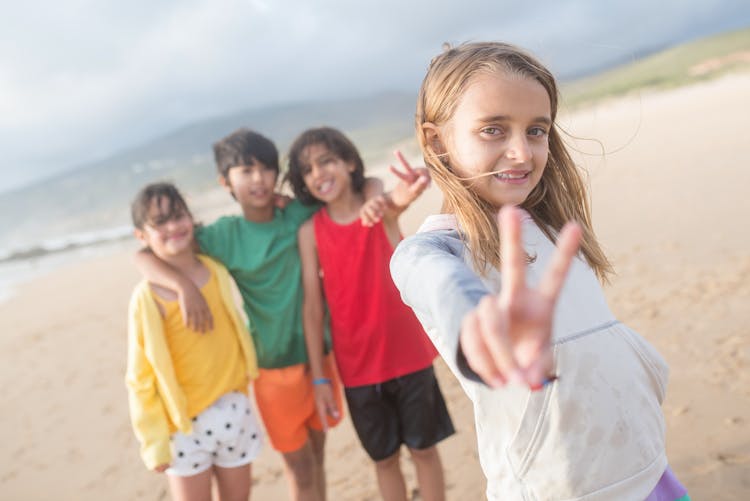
x: 318, y: 442
x: 233, y: 483
x: 192, y: 488
x: 300, y: 470
x: 390, y: 479
x: 429, y: 473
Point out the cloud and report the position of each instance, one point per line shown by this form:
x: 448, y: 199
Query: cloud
x: 83, y: 78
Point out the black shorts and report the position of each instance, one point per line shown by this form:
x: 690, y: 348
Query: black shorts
x: 405, y: 410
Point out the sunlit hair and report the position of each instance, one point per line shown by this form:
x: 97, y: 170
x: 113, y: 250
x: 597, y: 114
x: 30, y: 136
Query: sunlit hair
x: 156, y: 192
x: 338, y: 144
x: 561, y: 193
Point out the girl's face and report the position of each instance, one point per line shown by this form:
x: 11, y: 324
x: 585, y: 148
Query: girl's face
x: 169, y: 230
x: 325, y: 174
x: 499, y: 131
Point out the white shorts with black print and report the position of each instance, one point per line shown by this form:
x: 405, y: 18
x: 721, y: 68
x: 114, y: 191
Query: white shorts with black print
x: 225, y: 434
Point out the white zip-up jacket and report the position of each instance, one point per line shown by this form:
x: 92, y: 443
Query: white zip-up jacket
x: 597, y: 433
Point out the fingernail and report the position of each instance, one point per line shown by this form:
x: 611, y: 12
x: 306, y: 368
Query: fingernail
x: 497, y: 382
x: 547, y: 381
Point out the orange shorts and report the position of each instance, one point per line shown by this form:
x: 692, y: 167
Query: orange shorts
x: 286, y: 403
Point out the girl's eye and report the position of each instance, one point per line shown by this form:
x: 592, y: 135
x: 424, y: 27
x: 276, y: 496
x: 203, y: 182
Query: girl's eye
x: 538, y: 132
x: 491, y: 131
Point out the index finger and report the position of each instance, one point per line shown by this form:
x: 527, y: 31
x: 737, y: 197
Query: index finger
x: 512, y: 254
x: 404, y: 162
x: 568, y: 242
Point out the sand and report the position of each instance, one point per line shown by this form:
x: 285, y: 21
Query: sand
x: 670, y: 207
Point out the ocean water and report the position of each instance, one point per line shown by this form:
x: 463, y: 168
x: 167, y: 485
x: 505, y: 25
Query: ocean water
x: 21, y: 264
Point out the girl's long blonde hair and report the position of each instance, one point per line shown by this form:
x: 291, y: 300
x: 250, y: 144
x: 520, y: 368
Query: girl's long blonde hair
x: 560, y: 195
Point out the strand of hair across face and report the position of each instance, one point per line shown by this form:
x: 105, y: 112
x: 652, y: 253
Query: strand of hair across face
x: 473, y: 178
x: 479, y: 176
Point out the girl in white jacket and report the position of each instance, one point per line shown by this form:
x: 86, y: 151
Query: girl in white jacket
x: 567, y: 400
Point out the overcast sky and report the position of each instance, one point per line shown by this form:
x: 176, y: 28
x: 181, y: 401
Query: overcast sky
x: 81, y: 79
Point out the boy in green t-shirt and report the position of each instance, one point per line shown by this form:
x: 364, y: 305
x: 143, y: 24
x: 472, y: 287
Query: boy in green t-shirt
x: 260, y: 251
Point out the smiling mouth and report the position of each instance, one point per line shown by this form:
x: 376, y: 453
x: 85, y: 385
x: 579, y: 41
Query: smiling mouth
x: 325, y: 186
x: 503, y: 176
x: 178, y: 236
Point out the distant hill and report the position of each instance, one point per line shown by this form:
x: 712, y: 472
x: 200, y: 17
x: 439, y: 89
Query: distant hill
x: 98, y: 194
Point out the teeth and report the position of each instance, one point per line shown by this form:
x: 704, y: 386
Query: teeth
x: 504, y: 175
x: 325, y: 186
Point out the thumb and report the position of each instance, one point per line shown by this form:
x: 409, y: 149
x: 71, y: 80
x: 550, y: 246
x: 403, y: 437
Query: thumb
x: 333, y: 410
x: 540, y: 369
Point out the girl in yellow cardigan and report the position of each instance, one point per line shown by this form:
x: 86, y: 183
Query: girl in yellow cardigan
x: 188, y: 390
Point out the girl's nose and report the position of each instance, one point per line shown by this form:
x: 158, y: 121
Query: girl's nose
x: 170, y: 224
x: 518, y: 149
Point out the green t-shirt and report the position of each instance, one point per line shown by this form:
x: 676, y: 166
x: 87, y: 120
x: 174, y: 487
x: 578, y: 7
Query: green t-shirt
x: 263, y: 259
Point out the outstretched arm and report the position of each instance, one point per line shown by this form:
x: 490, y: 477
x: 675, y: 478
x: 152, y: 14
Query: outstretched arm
x: 312, y: 318
x: 507, y: 337
x: 195, y: 312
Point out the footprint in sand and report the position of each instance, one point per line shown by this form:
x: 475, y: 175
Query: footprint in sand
x: 733, y: 421
x: 729, y: 458
x: 679, y: 411
x: 720, y: 460
x: 8, y: 476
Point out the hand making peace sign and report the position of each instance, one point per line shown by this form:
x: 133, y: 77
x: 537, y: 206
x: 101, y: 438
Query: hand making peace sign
x: 413, y: 181
x: 507, y: 337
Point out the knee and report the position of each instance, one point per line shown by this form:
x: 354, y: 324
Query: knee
x: 318, y: 442
x: 302, y: 469
x: 427, y: 455
x: 392, y: 461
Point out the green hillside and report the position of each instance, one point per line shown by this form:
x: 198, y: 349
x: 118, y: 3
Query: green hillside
x: 691, y: 62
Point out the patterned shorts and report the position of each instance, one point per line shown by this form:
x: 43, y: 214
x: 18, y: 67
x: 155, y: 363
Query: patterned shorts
x: 225, y: 434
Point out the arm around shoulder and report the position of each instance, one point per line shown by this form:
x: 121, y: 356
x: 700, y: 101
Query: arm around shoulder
x: 195, y: 312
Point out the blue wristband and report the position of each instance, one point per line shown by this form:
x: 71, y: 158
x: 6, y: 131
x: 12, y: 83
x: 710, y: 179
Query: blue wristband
x: 321, y: 380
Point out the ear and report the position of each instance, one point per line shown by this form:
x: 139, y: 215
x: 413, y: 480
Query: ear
x: 224, y: 182
x: 433, y: 137
x: 140, y: 235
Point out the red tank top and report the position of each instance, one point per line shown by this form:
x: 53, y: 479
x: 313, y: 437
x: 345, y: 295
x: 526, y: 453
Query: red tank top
x: 376, y: 337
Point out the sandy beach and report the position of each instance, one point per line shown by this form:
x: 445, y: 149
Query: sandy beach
x: 670, y: 205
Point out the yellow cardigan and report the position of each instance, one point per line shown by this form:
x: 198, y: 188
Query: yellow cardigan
x: 154, y: 395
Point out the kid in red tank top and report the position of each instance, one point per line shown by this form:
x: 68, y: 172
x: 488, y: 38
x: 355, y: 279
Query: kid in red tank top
x: 376, y: 337
x: 383, y: 355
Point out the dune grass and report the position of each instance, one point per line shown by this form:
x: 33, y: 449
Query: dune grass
x: 702, y: 59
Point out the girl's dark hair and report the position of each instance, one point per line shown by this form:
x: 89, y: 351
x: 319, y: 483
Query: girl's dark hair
x: 338, y: 144
x: 245, y: 147
x: 156, y: 191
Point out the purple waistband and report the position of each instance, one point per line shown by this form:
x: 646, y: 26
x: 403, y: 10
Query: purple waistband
x: 668, y: 488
